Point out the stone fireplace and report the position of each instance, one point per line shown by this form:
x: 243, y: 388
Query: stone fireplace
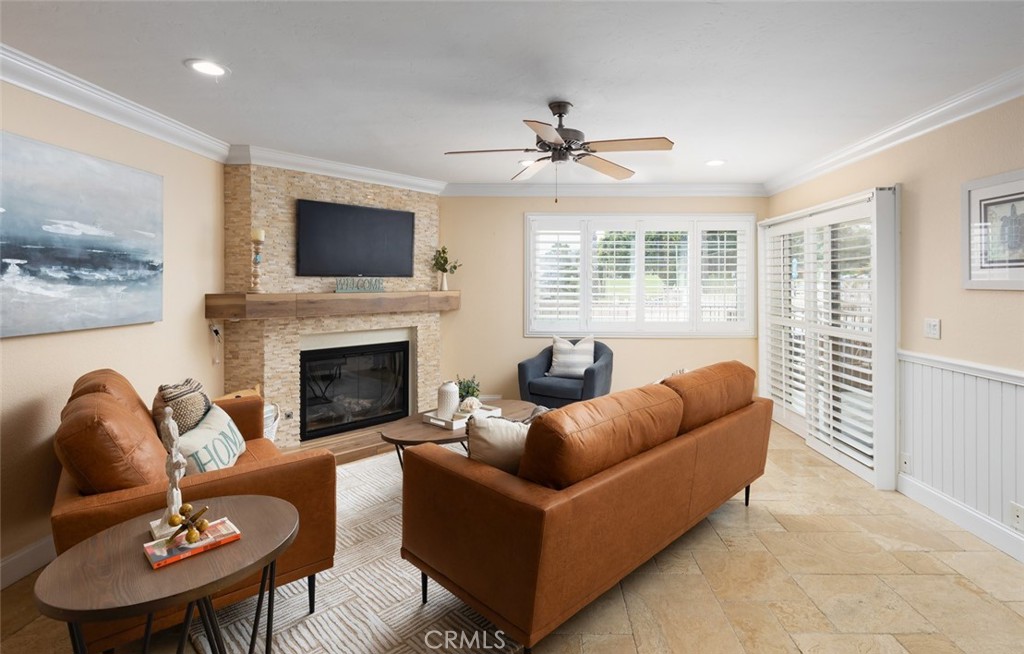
x: 265, y: 346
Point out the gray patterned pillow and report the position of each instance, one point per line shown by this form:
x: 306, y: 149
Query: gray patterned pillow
x: 189, y: 401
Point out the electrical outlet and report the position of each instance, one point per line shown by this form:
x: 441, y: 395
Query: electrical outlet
x: 1017, y: 516
x: 905, y: 463
x: 932, y: 328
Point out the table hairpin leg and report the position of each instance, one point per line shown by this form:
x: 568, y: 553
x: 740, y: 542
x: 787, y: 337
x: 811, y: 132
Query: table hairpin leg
x: 270, y: 604
x: 259, y: 609
x: 215, y: 624
x: 185, y: 627
x: 77, y: 641
x: 148, y: 636
x: 398, y: 449
x: 211, y: 627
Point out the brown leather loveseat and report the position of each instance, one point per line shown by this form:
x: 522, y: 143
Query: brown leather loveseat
x: 603, y: 485
x: 113, y: 469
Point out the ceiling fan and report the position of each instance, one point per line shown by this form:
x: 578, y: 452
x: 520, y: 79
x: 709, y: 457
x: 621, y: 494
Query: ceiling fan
x: 563, y: 144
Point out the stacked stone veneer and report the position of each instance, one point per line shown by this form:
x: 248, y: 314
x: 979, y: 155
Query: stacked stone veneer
x: 267, y: 351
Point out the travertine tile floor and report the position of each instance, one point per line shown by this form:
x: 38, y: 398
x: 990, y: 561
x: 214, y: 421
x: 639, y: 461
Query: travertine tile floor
x: 820, y: 562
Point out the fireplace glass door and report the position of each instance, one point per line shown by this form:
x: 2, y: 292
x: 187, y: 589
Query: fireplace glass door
x: 353, y: 387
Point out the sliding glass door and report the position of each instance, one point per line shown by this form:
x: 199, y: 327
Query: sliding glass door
x: 828, y: 320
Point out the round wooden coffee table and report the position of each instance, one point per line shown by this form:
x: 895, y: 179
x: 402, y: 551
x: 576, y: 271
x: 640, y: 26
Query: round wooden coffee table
x: 413, y: 431
x: 107, y: 576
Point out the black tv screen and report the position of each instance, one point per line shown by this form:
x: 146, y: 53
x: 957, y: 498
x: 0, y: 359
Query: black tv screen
x: 341, y: 240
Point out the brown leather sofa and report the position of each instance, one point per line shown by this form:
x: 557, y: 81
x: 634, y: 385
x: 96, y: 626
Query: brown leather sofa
x: 603, y: 485
x: 113, y: 469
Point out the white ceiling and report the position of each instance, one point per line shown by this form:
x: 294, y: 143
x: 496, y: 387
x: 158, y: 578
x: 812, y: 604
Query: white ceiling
x: 392, y: 85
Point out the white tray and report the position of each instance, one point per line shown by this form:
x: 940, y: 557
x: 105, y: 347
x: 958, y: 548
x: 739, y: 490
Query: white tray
x: 458, y: 421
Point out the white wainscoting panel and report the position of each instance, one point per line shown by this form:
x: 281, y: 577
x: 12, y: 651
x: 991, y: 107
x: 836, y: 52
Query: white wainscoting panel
x: 962, y: 426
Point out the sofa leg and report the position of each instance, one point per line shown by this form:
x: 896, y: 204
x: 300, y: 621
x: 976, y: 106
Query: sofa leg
x: 311, y: 583
x: 423, y: 583
x: 746, y: 496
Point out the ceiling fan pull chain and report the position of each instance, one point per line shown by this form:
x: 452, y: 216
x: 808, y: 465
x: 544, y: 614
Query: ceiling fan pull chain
x: 556, y: 183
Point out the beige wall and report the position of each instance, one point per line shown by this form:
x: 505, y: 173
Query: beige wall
x: 979, y: 326
x: 38, y: 371
x: 485, y: 337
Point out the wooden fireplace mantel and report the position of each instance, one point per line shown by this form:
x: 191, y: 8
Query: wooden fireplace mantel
x: 261, y: 306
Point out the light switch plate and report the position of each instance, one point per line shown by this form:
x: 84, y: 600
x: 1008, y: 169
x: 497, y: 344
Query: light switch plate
x: 932, y: 328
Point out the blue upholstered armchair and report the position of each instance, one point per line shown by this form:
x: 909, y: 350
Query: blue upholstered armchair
x: 554, y: 392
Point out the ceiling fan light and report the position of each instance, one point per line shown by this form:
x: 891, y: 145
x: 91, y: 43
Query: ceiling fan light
x: 207, y: 67
x: 715, y: 162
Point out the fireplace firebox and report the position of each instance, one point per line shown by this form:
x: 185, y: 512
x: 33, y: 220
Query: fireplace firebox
x: 349, y: 388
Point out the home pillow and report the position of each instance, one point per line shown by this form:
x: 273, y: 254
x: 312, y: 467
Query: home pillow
x: 188, y: 400
x: 568, y: 360
x: 213, y: 444
x: 496, y: 441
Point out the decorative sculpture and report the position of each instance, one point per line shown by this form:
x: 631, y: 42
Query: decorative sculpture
x: 175, y: 468
x: 191, y: 523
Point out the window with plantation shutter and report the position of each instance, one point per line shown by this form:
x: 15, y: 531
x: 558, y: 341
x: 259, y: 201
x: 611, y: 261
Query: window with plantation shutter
x: 640, y: 275
x: 828, y: 338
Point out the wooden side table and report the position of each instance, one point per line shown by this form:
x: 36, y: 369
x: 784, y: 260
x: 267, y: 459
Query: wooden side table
x: 410, y: 431
x: 107, y: 577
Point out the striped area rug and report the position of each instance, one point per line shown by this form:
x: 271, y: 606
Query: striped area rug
x: 369, y: 602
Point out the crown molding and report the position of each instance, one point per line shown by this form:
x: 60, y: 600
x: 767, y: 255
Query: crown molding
x: 257, y: 156
x: 605, y: 190
x: 29, y: 73
x: 996, y: 91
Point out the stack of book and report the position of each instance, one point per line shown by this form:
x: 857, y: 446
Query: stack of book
x: 163, y: 552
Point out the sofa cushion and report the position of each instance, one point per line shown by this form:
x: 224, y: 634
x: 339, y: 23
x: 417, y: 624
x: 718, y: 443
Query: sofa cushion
x: 570, y: 359
x: 213, y: 444
x: 257, y: 450
x: 113, y: 384
x: 711, y: 392
x: 561, y: 387
x: 106, y: 446
x: 575, y: 442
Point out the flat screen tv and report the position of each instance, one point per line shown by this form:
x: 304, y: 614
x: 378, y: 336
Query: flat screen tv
x: 342, y: 240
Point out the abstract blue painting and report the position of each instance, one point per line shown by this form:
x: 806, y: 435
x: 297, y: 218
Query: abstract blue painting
x: 81, y: 241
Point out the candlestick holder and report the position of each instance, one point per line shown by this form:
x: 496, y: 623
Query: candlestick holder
x: 257, y: 259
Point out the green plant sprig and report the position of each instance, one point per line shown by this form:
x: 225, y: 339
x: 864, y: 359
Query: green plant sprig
x: 441, y: 262
x: 468, y: 387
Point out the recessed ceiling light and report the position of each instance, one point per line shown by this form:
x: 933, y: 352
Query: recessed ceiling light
x: 206, y: 67
x: 715, y: 162
x: 525, y: 162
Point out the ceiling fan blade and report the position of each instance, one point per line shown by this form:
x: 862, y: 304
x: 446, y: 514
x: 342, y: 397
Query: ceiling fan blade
x: 545, y: 131
x: 532, y: 169
x: 604, y: 166
x: 484, y: 151
x: 627, y: 145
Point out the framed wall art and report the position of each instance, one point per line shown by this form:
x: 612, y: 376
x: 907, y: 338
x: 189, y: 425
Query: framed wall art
x: 993, y: 232
x: 81, y: 241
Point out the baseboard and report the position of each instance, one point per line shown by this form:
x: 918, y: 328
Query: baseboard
x: 26, y: 561
x: 995, y: 533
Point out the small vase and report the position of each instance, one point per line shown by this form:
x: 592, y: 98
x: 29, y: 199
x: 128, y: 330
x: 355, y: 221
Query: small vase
x: 444, y: 281
x: 447, y: 400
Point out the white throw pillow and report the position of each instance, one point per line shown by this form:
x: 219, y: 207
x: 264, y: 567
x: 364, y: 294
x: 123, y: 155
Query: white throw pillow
x: 213, y: 444
x: 496, y: 441
x: 568, y: 360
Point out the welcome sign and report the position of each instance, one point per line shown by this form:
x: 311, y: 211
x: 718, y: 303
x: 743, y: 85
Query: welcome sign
x: 359, y: 285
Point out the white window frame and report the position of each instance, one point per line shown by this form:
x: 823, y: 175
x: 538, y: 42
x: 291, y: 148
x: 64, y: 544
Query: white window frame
x: 693, y: 224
